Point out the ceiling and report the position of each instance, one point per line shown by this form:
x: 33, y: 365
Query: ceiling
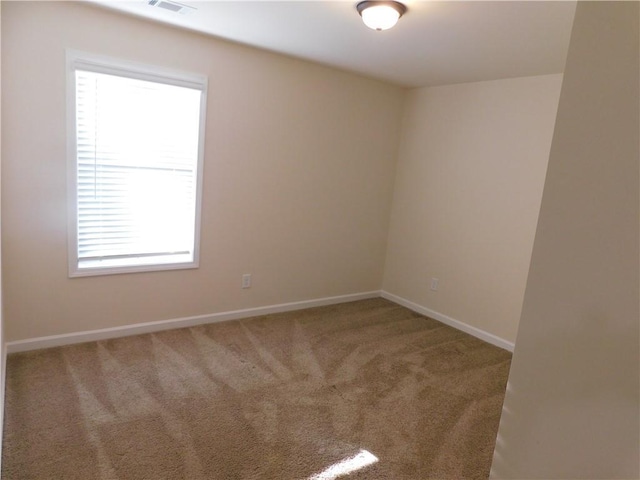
x: 434, y: 43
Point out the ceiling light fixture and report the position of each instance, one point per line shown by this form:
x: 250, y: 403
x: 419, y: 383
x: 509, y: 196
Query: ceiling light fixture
x: 380, y: 15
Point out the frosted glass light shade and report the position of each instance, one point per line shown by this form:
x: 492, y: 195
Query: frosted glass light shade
x: 380, y: 15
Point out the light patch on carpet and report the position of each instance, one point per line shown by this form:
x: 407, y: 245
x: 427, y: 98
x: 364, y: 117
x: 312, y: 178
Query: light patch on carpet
x: 90, y: 406
x: 132, y: 401
x: 128, y: 397
x: 179, y: 377
x: 303, y: 355
x: 277, y: 367
x: 93, y: 412
x: 228, y: 367
x: 360, y: 460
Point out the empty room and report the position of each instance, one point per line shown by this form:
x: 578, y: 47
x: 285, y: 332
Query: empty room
x: 320, y: 239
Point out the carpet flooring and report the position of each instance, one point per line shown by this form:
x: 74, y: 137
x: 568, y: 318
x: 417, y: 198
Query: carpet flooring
x: 362, y: 390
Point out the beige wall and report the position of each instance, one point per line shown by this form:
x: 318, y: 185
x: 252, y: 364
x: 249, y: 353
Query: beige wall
x: 572, y: 403
x: 469, y: 182
x: 299, y: 167
x: 2, y: 337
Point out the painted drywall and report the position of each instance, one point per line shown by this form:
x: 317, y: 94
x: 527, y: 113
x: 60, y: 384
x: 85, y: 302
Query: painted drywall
x: 299, y: 168
x: 2, y: 336
x: 468, y: 188
x: 572, y: 403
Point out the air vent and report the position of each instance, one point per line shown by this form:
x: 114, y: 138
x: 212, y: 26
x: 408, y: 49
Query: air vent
x: 172, y: 6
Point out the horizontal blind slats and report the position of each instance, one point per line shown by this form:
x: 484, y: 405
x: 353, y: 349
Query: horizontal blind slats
x: 137, y: 150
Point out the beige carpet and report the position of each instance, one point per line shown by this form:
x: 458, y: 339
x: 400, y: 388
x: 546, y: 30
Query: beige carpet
x: 368, y: 387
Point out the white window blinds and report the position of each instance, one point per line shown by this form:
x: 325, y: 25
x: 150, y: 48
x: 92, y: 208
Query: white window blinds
x: 137, y: 166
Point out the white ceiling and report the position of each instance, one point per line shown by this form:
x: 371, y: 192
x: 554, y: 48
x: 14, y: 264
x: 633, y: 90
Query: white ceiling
x: 434, y: 43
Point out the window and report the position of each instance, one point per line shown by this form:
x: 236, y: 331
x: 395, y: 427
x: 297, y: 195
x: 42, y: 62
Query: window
x: 136, y: 145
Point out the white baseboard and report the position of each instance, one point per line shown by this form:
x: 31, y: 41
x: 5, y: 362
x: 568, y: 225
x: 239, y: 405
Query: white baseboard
x: 150, y: 327
x: 476, y: 332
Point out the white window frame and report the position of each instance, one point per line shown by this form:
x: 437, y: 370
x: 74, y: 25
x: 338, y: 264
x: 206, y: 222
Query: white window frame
x: 77, y: 60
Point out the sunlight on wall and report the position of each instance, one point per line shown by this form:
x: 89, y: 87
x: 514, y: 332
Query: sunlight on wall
x: 360, y: 460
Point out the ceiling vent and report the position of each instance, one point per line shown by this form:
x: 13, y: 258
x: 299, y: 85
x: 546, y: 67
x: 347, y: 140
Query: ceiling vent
x: 172, y: 6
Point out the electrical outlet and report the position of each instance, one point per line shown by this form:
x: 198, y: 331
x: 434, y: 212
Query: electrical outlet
x: 246, y: 280
x: 434, y: 284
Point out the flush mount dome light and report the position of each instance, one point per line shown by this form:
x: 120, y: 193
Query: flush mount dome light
x: 380, y: 15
